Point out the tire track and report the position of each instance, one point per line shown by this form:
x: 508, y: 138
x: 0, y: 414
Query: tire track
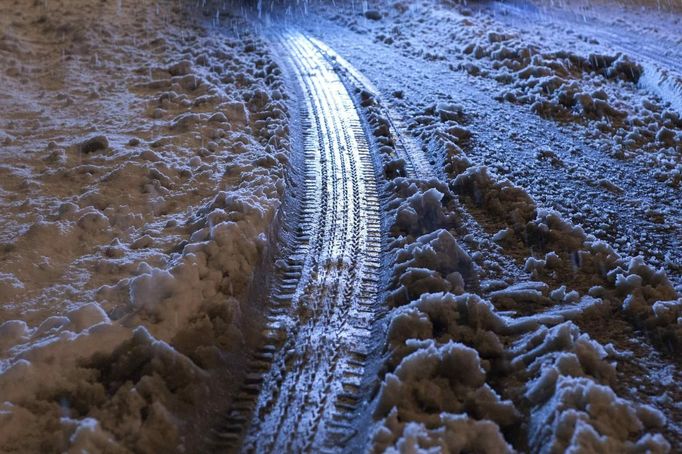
x: 417, y: 165
x: 304, y: 386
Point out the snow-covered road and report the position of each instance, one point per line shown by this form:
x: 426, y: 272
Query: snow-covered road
x: 340, y: 226
x: 324, y: 305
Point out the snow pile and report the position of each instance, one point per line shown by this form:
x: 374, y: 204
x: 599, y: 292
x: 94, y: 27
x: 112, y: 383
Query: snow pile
x: 435, y: 387
x: 150, y: 185
x: 550, y: 230
x: 567, y: 378
x: 422, y: 210
x: 582, y: 413
x: 445, y: 317
x: 567, y: 375
x: 596, y: 88
x: 500, y: 197
x: 574, y: 88
x: 651, y: 301
x: 646, y: 295
x: 106, y: 375
x: 442, y: 378
x: 446, y: 122
x: 571, y: 403
x: 433, y: 261
x: 453, y: 433
x: 558, y: 350
x: 546, y: 80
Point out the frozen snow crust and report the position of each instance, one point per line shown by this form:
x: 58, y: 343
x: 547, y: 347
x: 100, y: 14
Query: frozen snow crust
x: 459, y: 374
x: 141, y: 170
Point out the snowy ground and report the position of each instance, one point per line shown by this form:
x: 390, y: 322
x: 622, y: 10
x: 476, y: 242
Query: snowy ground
x: 559, y: 161
x: 140, y: 171
x: 528, y: 166
x: 612, y: 158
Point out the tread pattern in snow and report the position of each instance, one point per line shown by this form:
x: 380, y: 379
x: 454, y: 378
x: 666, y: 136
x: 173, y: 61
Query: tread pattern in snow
x: 415, y: 161
x: 305, y: 384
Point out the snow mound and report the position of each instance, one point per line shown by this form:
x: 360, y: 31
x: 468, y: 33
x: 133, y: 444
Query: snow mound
x: 434, y: 262
x: 453, y: 434
x: 419, y: 206
x: 584, y: 415
x: 572, y: 404
x: 499, y: 197
x: 442, y: 378
x: 445, y: 317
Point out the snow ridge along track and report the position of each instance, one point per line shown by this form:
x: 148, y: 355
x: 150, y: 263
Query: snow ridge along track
x: 304, y: 388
